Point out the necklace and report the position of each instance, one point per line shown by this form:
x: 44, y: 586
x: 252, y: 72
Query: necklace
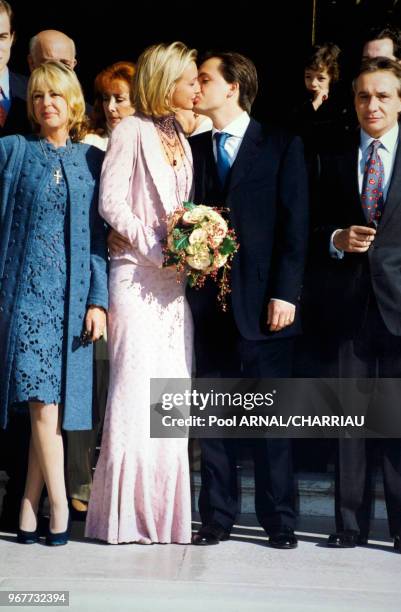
x: 166, y: 125
x: 172, y: 149
x: 57, y: 173
x: 174, y: 152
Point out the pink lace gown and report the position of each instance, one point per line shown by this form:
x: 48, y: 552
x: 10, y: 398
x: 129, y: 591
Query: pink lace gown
x: 141, y: 488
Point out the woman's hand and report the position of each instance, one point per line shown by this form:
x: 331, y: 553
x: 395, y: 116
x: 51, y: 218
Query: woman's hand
x: 95, y: 322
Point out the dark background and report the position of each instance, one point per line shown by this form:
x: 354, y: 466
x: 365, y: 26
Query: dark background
x: 275, y: 35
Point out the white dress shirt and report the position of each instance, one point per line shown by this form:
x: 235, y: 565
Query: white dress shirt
x: 5, y: 89
x: 387, y: 152
x: 236, y: 129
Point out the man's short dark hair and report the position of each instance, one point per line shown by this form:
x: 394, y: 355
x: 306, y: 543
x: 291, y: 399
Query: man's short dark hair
x: 386, y: 31
x: 376, y: 64
x: 236, y: 68
x: 6, y: 8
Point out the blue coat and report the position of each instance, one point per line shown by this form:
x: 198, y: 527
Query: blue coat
x: 24, y: 174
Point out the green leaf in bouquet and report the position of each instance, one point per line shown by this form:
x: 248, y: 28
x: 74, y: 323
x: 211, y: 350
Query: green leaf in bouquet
x: 228, y: 246
x: 189, y: 205
x: 181, y: 242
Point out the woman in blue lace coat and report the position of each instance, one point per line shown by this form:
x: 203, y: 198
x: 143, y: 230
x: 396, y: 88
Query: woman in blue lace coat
x: 53, y: 283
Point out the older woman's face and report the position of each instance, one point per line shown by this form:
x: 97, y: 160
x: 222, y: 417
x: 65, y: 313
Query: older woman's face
x: 50, y: 110
x: 117, y: 103
x: 186, y: 89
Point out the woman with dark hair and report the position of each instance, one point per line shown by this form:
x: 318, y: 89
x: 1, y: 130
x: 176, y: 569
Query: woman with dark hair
x: 54, y: 286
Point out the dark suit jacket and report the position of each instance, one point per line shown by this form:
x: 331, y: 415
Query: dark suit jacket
x: 17, y: 121
x: 266, y: 194
x: 346, y: 283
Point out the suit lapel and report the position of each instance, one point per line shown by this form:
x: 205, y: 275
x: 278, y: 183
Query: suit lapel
x: 393, y: 199
x: 247, y: 152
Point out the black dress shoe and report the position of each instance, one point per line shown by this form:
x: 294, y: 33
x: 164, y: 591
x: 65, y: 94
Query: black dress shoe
x: 59, y: 538
x: 210, y: 534
x: 27, y: 537
x: 346, y: 539
x: 397, y: 544
x: 284, y: 539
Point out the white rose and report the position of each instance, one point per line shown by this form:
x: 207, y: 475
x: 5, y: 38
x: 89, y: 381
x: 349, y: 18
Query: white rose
x: 198, y: 235
x: 196, y: 214
x: 198, y: 256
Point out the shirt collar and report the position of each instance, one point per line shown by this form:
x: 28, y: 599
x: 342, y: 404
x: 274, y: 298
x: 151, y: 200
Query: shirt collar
x: 5, y: 82
x: 237, y: 127
x: 388, y: 140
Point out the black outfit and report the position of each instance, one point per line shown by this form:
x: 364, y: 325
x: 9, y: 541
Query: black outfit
x: 360, y: 322
x: 266, y: 193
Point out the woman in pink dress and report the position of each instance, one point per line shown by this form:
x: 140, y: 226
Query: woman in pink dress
x: 141, y: 489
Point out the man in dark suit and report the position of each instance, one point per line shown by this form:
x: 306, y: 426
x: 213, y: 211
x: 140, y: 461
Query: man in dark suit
x: 13, y: 115
x: 358, y: 243
x: 259, y: 174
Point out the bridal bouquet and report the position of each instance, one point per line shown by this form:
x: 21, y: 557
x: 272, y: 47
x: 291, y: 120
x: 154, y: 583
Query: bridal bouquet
x: 200, y: 243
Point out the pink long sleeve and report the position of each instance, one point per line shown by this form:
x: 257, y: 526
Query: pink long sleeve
x: 123, y: 197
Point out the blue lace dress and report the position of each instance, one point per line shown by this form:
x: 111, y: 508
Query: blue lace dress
x: 40, y: 357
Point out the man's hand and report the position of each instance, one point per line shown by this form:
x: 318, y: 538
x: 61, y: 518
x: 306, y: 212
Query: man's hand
x: 95, y: 322
x: 280, y: 314
x: 354, y: 239
x: 117, y: 243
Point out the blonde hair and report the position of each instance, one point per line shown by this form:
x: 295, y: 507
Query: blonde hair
x: 158, y: 69
x: 60, y: 79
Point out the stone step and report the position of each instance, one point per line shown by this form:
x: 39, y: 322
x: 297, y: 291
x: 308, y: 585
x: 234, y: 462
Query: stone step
x: 315, y: 494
